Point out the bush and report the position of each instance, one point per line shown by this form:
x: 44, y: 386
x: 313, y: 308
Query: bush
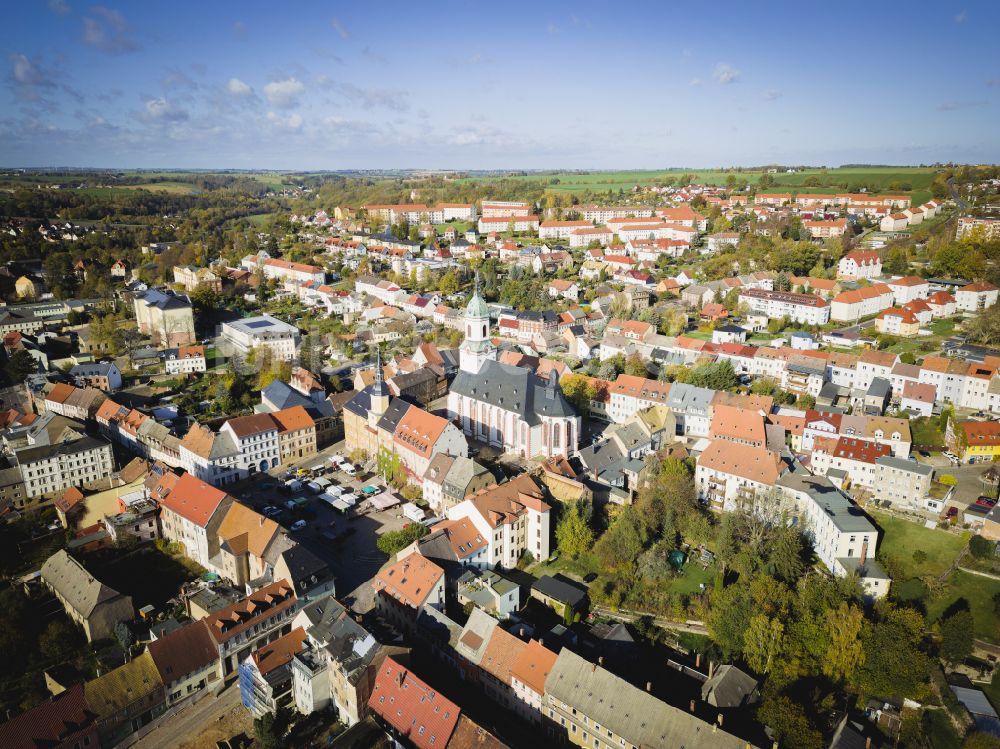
x: 395, y: 541
x: 920, y: 556
x: 980, y: 548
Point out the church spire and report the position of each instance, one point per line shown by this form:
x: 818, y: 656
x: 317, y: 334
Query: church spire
x: 379, y: 386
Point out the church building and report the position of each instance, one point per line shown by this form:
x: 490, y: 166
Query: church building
x: 508, y: 407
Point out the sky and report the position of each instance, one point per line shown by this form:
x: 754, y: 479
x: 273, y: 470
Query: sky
x: 485, y: 85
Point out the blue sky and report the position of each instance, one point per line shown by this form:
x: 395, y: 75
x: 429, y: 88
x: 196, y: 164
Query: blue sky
x: 465, y: 84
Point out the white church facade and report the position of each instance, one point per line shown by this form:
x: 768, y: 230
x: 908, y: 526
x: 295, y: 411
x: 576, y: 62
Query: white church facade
x: 508, y: 407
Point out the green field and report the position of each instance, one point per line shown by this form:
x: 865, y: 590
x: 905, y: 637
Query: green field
x: 902, y: 538
x: 831, y: 180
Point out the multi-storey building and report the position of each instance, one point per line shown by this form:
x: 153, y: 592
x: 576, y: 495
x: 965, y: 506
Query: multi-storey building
x: 859, y: 264
x: 243, y: 627
x: 50, y: 469
x: 165, y: 317
x: 184, y: 359
x: 191, y: 515
x: 262, y: 331
x: 808, y: 309
x: 513, y: 517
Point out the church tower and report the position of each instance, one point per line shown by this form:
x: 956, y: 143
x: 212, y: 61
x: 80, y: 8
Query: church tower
x: 379, y: 393
x: 477, y: 347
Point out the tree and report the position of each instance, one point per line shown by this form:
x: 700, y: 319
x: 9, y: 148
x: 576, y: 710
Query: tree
x: 392, y: 542
x: 574, y: 535
x: 763, y: 642
x: 789, y: 722
x: 845, y: 652
x: 636, y: 366
x: 956, y: 637
x: 449, y: 283
x: 622, y: 543
x: 58, y: 640
x: 19, y: 366
x: 894, y: 661
x: 124, y: 635
x: 578, y: 390
x: 267, y: 731
x: 980, y: 548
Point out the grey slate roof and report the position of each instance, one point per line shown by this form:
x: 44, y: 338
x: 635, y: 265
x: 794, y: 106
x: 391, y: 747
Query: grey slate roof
x: 728, y: 687
x: 349, y: 644
x: 513, y: 389
x: 476, y: 635
x: 635, y: 715
x: 81, y: 590
x: 901, y: 464
x: 846, y: 515
x: 46, y: 452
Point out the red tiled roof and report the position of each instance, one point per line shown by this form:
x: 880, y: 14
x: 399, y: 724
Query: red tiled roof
x: 193, y: 499
x: 425, y: 717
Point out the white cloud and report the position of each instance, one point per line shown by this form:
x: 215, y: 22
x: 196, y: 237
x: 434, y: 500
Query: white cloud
x: 339, y: 27
x: 238, y: 88
x: 725, y: 73
x: 60, y: 7
x: 107, y: 30
x: 24, y: 71
x: 292, y: 122
x: 771, y: 94
x: 158, y: 109
x: 960, y: 18
x: 696, y: 82
x: 368, y: 98
x: 284, y: 94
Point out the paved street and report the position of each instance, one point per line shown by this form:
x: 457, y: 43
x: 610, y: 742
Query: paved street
x: 190, y: 720
x: 353, y: 557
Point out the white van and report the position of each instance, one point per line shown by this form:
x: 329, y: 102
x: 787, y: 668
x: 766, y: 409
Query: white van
x: 348, y: 469
x: 350, y: 498
x: 314, y: 487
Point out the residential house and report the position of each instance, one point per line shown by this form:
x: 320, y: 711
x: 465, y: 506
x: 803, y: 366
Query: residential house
x: 403, y: 588
x: 191, y: 515
x: 513, y: 517
x: 91, y: 604
x: 859, y: 264
x: 240, y: 628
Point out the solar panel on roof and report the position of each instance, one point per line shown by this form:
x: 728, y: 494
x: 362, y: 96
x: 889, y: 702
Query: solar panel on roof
x: 258, y: 324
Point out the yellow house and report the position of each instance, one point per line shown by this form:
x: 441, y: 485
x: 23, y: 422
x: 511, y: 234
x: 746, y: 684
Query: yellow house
x: 975, y: 441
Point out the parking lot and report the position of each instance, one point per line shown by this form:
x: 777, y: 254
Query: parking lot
x: 345, y: 541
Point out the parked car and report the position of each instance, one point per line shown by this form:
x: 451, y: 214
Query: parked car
x: 348, y: 469
x: 298, y: 525
x: 290, y: 504
x: 270, y: 511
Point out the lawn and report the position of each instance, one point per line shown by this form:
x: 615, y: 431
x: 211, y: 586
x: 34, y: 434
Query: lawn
x: 978, y: 593
x: 926, y: 431
x: 579, y: 568
x: 902, y: 538
x: 689, y: 581
x: 943, y: 328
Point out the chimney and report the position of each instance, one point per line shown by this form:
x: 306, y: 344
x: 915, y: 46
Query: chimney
x: 864, y: 556
x: 697, y: 661
x: 521, y: 632
x: 711, y: 668
x: 774, y: 745
x: 649, y: 686
x: 691, y: 706
x: 719, y: 720
x: 600, y: 661
x: 868, y: 743
x: 593, y: 668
